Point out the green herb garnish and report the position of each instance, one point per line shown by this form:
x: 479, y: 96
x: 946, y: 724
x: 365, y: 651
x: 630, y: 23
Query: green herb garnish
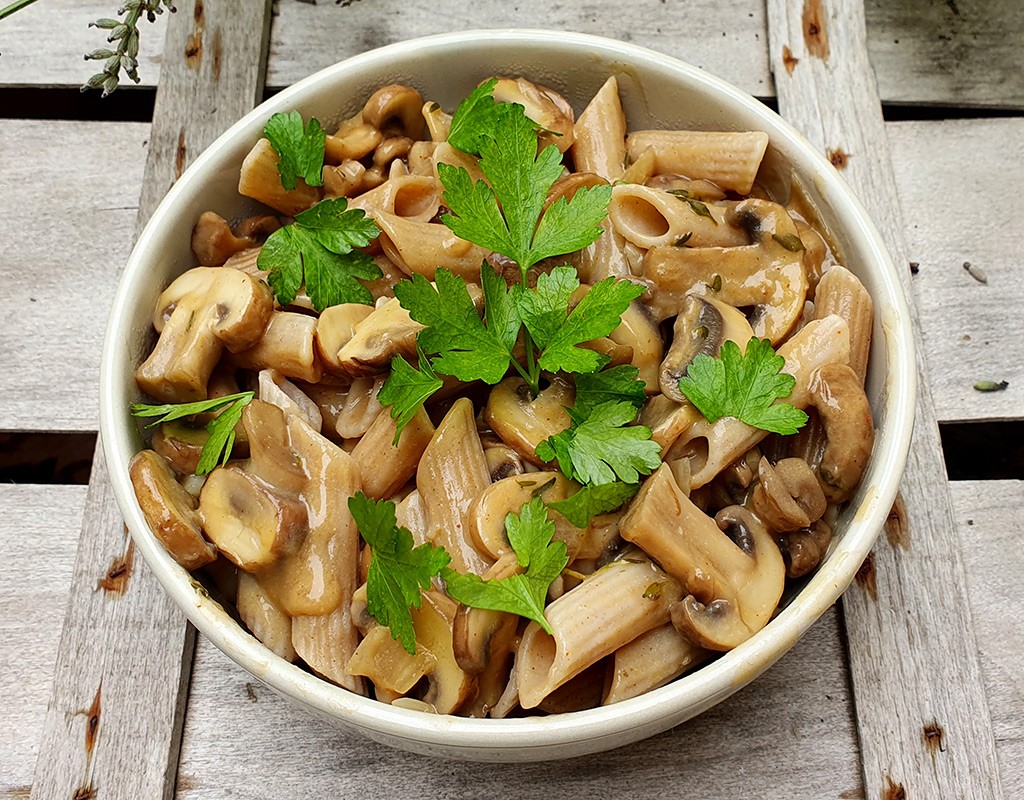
x: 592, y: 500
x: 300, y: 149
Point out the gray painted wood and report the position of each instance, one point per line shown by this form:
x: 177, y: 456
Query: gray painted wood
x: 913, y: 652
x: 965, y: 52
x: 125, y: 650
x: 38, y: 531
x: 948, y: 174
x: 970, y: 330
x: 792, y: 730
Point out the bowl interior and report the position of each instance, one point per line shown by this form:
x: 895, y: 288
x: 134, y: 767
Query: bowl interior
x: 657, y: 92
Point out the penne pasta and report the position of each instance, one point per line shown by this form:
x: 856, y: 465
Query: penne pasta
x: 651, y: 660
x: 277, y: 390
x: 384, y: 466
x: 728, y: 159
x: 420, y: 248
x: 654, y: 218
x: 261, y: 615
x: 410, y: 197
x: 600, y: 145
x: 260, y: 181
x: 840, y: 292
x: 609, y: 609
x: 287, y: 346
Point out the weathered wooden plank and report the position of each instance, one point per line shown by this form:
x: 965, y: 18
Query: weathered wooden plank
x: 990, y: 526
x: 909, y: 627
x: 791, y: 730
x: 68, y: 206
x: 73, y: 238
x: 38, y: 529
x: 970, y: 330
x: 958, y: 53
x: 125, y: 650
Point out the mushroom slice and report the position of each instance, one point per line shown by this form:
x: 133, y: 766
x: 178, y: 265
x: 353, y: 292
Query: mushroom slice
x: 169, y: 510
x: 702, y: 327
x: 448, y: 687
x: 213, y: 241
x: 486, y: 518
x: 387, y: 331
x: 787, y: 496
x: 474, y: 628
x: 287, y: 346
x: 523, y: 422
x: 639, y: 331
x: 837, y: 394
x: 734, y: 579
x: 204, y: 311
x: 387, y: 664
x: 259, y: 179
x: 335, y: 328
x: 181, y: 444
x: 272, y: 457
x: 276, y: 389
x: 544, y: 106
x: 502, y: 461
x: 767, y: 274
x: 250, y: 525
x: 396, y: 106
x: 803, y: 550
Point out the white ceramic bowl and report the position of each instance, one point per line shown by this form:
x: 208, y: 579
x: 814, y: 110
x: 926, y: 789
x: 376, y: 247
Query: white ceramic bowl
x: 658, y: 91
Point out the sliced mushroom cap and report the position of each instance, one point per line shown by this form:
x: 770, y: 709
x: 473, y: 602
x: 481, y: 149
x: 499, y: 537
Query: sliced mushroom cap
x: 181, y: 444
x: 837, y: 394
x: 396, y: 107
x: 287, y: 345
x: 502, y: 460
x: 523, y: 422
x: 382, y: 334
x: 544, y: 106
x: 169, y: 510
x: 272, y: 457
x: 335, y: 328
x: 702, y: 327
x: 213, y: 242
x: 200, y: 314
x: 475, y: 628
x: 248, y: 522
x: 767, y: 274
x: 387, y: 664
x: 803, y: 550
x: 639, y: 331
x: 448, y: 687
x: 354, y: 139
x: 787, y: 496
x: 486, y: 519
x: 734, y: 579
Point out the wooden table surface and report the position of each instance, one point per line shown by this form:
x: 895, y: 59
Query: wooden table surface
x: 910, y: 688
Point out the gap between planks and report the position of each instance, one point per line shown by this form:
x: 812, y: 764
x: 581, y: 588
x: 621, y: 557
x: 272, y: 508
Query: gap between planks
x: 114, y: 720
x: 913, y: 654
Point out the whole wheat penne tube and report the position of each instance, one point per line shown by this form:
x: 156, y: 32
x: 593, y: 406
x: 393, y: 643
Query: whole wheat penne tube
x: 287, y: 346
x: 452, y: 473
x: 419, y: 248
x: 384, y: 466
x: 840, y: 292
x: 651, y: 660
x: 730, y: 159
x: 275, y: 388
x: 261, y: 615
x: 259, y: 179
x: 600, y: 145
x: 654, y: 218
x: 412, y: 197
x: 609, y: 609
x: 712, y: 446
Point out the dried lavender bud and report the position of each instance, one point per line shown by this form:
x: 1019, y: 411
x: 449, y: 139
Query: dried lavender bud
x: 99, y: 55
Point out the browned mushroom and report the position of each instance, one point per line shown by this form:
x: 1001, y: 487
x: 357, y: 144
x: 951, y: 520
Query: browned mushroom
x: 181, y: 443
x: 787, y: 496
x: 640, y: 333
x: 396, y: 108
x: 704, y: 324
x: 287, y: 346
x: 384, y: 333
x: 448, y: 687
x: 169, y: 510
x: 335, y: 328
x: 487, y: 512
x: 803, y: 550
x: 213, y: 242
x: 522, y: 421
x: 544, y: 106
x: 204, y: 311
x: 843, y: 408
x: 730, y: 566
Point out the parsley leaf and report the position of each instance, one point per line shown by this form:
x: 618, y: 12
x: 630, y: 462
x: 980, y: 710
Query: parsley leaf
x: 598, y: 447
x: 398, y: 571
x: 544, y: 309
x: 300, y: 150
x: 745, y: 386
x: 221, y: 428
x: 591, y: 500
x: 467, y: 348
x: 543, y: 560
x: 617, y: 383
x: 407, y: 389
x: 318, y: 249
x: 597, y: 315
x: 503, y: 216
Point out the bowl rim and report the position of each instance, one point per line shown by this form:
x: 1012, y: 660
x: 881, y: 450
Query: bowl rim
x: 678, y: 700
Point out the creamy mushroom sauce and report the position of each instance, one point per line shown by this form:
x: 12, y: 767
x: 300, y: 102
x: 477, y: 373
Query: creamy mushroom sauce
x: 693, y: 565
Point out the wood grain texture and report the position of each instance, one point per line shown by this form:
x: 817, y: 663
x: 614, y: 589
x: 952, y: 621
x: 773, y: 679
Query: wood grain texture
x: 69, y: 201
x: 950, y: 53
x: 945, y: 170
x: 913, y: 652
x: 791, y: 730
x: 125, y: 650
x: 38, y: 526
x: 949, y: 175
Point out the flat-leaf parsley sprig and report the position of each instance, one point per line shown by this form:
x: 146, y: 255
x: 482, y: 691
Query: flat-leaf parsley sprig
x: 221, y: 428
